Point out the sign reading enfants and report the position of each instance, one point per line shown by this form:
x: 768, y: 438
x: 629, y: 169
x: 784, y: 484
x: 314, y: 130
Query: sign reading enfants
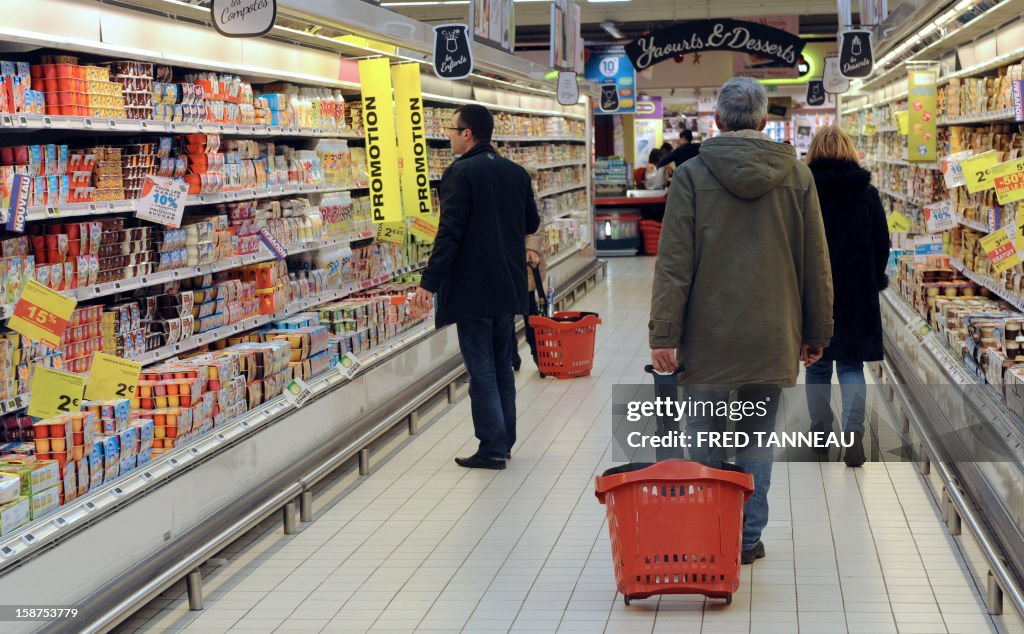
x: 715, y: 35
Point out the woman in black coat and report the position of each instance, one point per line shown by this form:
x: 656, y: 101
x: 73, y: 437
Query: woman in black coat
x: 858, y: 244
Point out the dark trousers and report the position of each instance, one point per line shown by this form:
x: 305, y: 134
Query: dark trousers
x: 531, y: 337
x: 488, y: 346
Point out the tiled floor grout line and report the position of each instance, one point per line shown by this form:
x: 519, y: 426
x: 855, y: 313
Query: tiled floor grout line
x: 859, y: 477
x: 839, y: 576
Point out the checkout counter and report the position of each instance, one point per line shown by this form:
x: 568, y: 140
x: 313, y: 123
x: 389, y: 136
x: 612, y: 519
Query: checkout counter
x: 618, y: 221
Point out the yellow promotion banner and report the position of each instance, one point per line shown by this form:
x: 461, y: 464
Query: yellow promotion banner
x: 412, y: 141
x: 978, y: 171
x: 54, y: 392
x: 1008, y: 179
x: 1001, y: 251
x: 923, y: 116
x: 112, y: 377
x: 902, y: 122
x: 381, y: 149
x: 424, y: 229
x: 898, y: 223
x: 391, y: 232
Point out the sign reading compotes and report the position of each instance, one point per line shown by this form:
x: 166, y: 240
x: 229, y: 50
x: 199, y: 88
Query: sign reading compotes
x: 715, y: 35
x: 381, y: 149
x: 243, y: 18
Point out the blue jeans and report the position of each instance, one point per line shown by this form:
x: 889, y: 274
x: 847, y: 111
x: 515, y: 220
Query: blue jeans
x: 819, y: 395
x: 487, y: 346
x: 753, y: 459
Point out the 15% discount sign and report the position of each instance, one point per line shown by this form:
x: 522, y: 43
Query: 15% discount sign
x: 42, y: 314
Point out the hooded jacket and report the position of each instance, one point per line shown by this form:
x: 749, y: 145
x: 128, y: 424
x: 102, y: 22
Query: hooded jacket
x: 742, y: 276
x: 478, y: 264
x: 858, y: 246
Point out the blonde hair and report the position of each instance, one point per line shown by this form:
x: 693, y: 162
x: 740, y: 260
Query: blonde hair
x: 830, y: 142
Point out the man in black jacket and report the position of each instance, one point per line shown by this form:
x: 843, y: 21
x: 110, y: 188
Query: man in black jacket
x: 685, y: 151
x: 478, y: 270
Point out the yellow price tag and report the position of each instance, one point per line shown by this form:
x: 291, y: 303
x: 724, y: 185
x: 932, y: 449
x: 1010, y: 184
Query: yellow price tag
x: 112, y: 377
x: 54, y: 392
x: 869, y: 129
x: 1001, y: 251
x: 42, y: 314
x: 978, y: 171
x: 1008, y: 179
x: 898, y: 223
x: 391, y: 232
x: 424, y: 228
x: 902, y: 122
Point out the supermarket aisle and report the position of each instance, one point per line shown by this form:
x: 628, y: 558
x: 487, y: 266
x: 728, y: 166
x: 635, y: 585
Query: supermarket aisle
x: 422, y: 545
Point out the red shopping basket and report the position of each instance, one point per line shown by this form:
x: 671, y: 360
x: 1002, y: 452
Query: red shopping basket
x: 565, y: 343
x: 676, y: 528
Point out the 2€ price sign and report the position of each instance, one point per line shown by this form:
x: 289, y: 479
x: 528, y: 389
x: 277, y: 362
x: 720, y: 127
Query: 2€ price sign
x: 1008, y: 179
x: 54, y: 392
x: 112, y: 377
x: 391, y: 232
x: 162, y: 200
x: 978, y: 171
x: 42, y: 314
x: 1001, y: 250
x: 898, y: 223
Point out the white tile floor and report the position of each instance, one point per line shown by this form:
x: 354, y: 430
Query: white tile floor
x: 422, y: 545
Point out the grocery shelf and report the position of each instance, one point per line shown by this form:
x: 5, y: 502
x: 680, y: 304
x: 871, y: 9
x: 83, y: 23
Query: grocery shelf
x: 991, y: 284
x: 560, y: 190
x: 563, y: 255
x: 14, y: 404
x: 549, y: 166
x: 43, y: 212
x: 905, y: 198
x: 530, y: 111
x: 36, y: 122
x: 1004, y: 114
x: 906, y: 163
x: 974, y: 224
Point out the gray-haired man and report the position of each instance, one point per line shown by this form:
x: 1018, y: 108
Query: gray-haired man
x: 742, y: 286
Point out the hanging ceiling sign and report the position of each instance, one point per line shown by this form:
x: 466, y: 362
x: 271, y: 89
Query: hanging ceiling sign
x: 453, y: 56
x: 856, y: 59
x: 815, y: 93
x: 243, y: 18
x: 832, y: 79
x: 568, y: 88
x: 722, y: 34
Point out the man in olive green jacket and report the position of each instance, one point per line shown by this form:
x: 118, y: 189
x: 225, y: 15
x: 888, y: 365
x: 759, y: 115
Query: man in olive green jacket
x: 742, y: 286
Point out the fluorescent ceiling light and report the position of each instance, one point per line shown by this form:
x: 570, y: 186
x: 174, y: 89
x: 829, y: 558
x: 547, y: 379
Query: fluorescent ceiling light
x: 612, y: 30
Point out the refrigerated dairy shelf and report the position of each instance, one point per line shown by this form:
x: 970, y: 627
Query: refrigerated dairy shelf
x: 37, y: 122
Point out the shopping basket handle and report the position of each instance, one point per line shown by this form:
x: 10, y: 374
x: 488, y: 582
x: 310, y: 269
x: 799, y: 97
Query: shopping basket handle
x: 649, y: 369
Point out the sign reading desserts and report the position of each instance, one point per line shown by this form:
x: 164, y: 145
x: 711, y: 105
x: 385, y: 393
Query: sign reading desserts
x: 42, y: 314
x: 381, y: 148
x: 1001, y: 250
x: 243, y: 18
x: 922, y: 119
x: 54, y: 392
x: 856, y: 58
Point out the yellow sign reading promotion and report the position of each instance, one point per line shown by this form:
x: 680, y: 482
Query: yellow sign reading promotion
x: 381, y: 150
x: 412, y: 145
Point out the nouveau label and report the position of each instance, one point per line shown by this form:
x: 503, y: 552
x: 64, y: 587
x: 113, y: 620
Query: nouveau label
x: 715, y: 35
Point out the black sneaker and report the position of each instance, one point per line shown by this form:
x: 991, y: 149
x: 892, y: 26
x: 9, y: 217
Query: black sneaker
x: 855, y: 455
x: 755, y: 553
x: 479, y: 462
x: 508, y: 456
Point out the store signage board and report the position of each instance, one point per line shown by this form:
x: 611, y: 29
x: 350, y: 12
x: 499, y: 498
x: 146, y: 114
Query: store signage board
x: 856, y: 58
x: 42, y: 314
x: 815, y: 92
x: 609, y: 67
x: 923, y: 116
x: 832, y: 79
x: 162, y: 201
x: 1008, y: 179
x: 953, y: 169
x: 412, y: 141
x: 17, y: 211
x: 381, y: 146
x: 55, y: 392
x: 348, y: 365
x: 112, y: 377
x: 898, y: 223
x: 243, y: 18
x: 721, y: 34
x: 1001, y: 250
x: 939, y: 216
x: 978, y: 171
x: 755, y: 65
x: 568, y: 88
x: 453, y: 56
